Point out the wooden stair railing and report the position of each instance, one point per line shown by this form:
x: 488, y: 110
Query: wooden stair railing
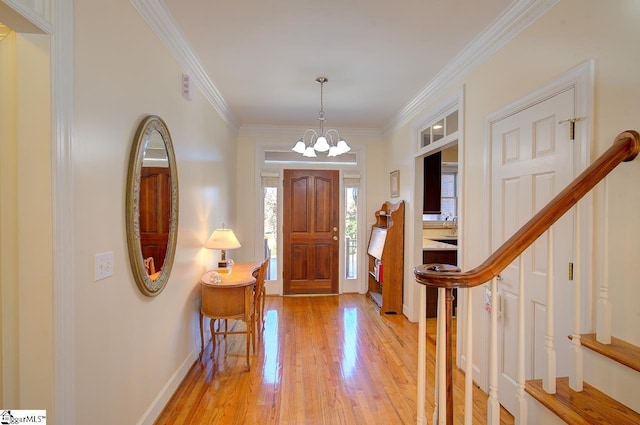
x: 626, y: 147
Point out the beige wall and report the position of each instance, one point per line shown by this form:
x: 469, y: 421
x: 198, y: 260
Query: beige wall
x: 571, y: 33
x: 129, y: 346
x: 35, y: 234
x: 25, y: 215
x: 8, y: 223
x: 8, y: 212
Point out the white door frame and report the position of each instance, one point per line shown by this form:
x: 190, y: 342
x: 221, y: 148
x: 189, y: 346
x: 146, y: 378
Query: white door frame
x: 413, y: 221
x: 56, y: 20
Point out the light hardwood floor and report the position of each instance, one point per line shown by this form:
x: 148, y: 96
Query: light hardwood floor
x: 322, y: 360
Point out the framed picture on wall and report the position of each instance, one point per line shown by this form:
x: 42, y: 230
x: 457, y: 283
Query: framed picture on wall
x: 394, y: 178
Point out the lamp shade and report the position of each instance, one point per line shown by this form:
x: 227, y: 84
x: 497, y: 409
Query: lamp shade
x: 299, y: 147
x: 309, y: 152
x: 222, y: 239
x: 321, y: 144
x: 343, y: 147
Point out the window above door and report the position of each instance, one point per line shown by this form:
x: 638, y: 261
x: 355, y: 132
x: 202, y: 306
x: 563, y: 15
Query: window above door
x: 443, y: 129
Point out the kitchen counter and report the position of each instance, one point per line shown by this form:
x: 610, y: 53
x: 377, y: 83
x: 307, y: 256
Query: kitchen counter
x: 437, y: 252
x: 431, y: 245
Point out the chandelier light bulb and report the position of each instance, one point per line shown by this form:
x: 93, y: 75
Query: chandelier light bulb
x: 309, y: 152
x: 333, y: 151
x: 299, y: 147
x: 321, y: 144
x: 343, y: 147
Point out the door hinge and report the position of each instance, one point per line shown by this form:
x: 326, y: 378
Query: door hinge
x: 570, y: 271
x: 572, y: 126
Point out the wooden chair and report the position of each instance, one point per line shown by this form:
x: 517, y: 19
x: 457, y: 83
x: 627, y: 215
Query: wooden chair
x: 257, y: 316
x: 235, y: 304
x: 149, y: 265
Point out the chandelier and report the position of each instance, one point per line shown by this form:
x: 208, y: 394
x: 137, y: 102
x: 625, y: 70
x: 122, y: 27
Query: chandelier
x: 313, y: 141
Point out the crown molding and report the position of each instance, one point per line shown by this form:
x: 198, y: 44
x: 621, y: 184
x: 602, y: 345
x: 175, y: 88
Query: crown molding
x: 161, y: 22
x: 509, y: 24
x: 295, y: 132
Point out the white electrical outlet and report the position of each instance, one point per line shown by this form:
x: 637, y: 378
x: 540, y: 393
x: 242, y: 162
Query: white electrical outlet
x: 103, y: 265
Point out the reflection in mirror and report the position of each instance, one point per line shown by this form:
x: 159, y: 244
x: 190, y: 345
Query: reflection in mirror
x: 152, y: 206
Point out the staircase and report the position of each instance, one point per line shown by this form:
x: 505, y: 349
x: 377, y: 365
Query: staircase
x: 597, y: 404
x: 604, y: 372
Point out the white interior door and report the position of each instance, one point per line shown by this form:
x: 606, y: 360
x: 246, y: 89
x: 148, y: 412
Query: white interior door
x: 531, y: 161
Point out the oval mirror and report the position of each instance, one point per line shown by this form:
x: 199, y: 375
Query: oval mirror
x: 152, y: 205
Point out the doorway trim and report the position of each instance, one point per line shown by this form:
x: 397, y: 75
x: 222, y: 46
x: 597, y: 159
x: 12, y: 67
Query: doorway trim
x: 412, y: 293
x: 63, y: 195
x: 55, y: 19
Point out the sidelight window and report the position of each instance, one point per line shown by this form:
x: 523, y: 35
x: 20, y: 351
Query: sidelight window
x: 270, y: 208
x: 351, y: 227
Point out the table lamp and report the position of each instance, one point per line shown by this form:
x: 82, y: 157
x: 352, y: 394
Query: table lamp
x: 223, y: 239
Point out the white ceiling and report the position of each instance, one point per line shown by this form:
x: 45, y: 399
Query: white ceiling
x: 263, y: 56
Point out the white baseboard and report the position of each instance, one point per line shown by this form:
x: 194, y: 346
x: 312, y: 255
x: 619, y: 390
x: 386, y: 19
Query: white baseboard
x: 154, y: 410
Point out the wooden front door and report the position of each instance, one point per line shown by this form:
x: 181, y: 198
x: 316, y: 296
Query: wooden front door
x: 155, y: 213
x: 311, y: 243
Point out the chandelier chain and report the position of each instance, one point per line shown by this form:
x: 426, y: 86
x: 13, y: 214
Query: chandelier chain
x: 321, y: 142
x: 321, y: 118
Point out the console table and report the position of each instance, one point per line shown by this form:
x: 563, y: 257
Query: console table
x: 231, y: 298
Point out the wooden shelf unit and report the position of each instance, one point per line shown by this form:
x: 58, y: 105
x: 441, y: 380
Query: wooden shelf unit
x: 386, y: 247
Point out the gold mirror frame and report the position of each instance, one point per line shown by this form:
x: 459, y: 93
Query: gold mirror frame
x: 145, y: 130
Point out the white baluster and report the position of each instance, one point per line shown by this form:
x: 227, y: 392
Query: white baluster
x: 422, y: 357
x: 603, y: 312
x: 493, y: 403
x: 549, y: 376
x: 575, y: 373
x: 521, y: 415
x: 468, y: 366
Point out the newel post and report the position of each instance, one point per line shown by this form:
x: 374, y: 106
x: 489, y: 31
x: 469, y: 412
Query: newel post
x: 448, y: 297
